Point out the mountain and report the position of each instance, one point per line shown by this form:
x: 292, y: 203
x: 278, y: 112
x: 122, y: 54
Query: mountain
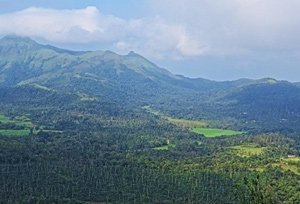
x: 39, y: 62
x: 273, y: 105
x: 297, y: 84
x: 100, y: 73
x: 98, y: 127
x: 24, y: 61
x: 133, y: 81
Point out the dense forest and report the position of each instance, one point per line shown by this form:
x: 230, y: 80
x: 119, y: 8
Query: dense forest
x: 85, y: 127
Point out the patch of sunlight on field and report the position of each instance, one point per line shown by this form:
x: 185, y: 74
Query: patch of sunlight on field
x: 289, y: 164
x: 247, y: 150
x: 215, y: 132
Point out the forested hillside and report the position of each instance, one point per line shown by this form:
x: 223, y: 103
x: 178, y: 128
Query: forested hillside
x: 97, y: 127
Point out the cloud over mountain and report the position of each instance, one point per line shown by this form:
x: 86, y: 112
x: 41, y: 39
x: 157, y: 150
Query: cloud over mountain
x: 153, y: 37
x: 221, y: 39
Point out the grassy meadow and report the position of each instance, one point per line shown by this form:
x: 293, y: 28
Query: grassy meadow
x: 215, y: 132
x: 24, y: 124
x: 247, y: 150
x: 23, y: 132
x: 202, y: 127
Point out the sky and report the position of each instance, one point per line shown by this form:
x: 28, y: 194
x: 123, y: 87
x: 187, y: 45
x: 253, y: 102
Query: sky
x: 219, y: 40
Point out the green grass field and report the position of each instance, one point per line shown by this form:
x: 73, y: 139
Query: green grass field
x: 247, y: 150
x: 24, y: 132
x: 214, y: 132
x: 196, y: 126
x: 188, y: 123
x: 4, y: 119
x: 25, y: 123
x: 21, y: 121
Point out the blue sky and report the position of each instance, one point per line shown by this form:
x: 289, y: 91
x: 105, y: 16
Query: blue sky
x: 127, y: 9
x: 220, y: 40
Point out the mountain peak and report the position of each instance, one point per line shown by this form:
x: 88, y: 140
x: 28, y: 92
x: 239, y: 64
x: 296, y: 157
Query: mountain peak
x: 18, y: 39
x: 268, y: 81
x: 132, y: 53
x: 13, y: 43
x: 135, y: 55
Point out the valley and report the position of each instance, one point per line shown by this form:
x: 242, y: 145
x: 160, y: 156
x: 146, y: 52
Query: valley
x: 98, y: 127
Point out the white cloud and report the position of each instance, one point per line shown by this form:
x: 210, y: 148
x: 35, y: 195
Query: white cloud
x: 152, y: 37
x: 237, y: 26
x: 80, y: 26
x: 181, y: 28
x: 156, y: 38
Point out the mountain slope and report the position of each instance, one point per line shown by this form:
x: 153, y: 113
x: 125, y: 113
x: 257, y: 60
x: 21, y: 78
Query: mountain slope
x: 267, y: 102
x: 23, y: 61
x: 133, y: 81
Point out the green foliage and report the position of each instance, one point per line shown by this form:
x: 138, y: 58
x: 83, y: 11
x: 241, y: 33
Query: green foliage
x: 288, y: 164
x: 18, y: 120
x: 188, y: 123
x: 93, y: 143
x: 96, y: 151
x: 19, y: 126
x: 247, y: 150
x: 165, y: 147
x: 259, y: 191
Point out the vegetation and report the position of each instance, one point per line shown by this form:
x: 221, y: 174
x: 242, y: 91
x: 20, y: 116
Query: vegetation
x: 18, y: 121
x: 188, y: 123
x: 213, y: 132
x: 165, y: 147
x: 125, y: 158
x: 93, y: 138
x: 20, y: 126
x: 288, y: 164
x: 247, y: 150
x: 24, y: 132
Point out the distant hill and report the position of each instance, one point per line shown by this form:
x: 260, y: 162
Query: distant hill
x: 23, y: 61
x: 133, y: 81
x: 275, y: 105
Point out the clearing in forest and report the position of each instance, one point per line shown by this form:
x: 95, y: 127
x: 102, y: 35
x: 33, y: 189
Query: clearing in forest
x: 19, y: 126
x: 165, y: 147
x: 247, y: 150
x: 197, y: 126
x: 215, y: 132
x: 188, y: 123
x: 289, y: 164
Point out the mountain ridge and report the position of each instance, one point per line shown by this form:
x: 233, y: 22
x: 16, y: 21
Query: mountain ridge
x: 133, y: 81
x: 17, y: 40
